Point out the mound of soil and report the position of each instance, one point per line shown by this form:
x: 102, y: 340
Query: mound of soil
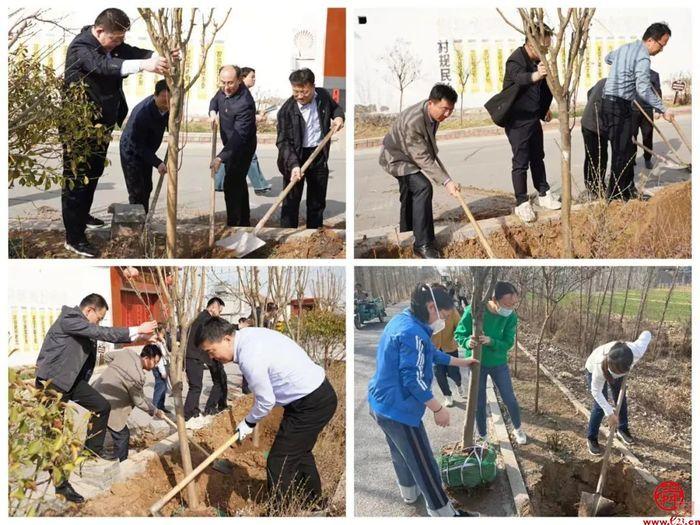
x: 242, y: 493
x: 555, y: 462
x: 322, y: 244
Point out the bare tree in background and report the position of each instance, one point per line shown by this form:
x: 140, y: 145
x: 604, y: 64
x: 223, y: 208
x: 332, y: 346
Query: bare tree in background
x: 404, y: 67
x: 462, y: 74
x: 574, y: 23
x: 171, y: 29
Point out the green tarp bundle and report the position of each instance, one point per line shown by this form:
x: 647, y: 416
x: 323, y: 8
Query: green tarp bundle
x: 467, y: 468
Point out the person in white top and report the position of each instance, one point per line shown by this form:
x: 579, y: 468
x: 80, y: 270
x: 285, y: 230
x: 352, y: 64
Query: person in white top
x: 278, y: 372
x: 606, y: 366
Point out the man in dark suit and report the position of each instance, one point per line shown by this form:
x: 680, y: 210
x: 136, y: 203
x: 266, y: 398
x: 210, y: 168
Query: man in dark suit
x: 524, y: 130
x: 100, y: 59
x: 67, y: 360
x: 139, y: 143
x: 302, y: 122
x: 641, y: 123
x: 410, y: 153
x: 195, y: 362
x: 235, y: 108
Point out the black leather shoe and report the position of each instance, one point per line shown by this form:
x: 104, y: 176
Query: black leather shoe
x: 466, y: 514
x: 648, y: 164
x: 85, y: 249
x: 66, y: 490
x: 94, y: 222
x: 426, y: 251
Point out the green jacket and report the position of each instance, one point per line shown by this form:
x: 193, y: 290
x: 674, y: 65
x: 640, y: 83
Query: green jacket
x: 500, y: 329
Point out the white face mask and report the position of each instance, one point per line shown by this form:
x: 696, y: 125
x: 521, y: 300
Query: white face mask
x: 439, y: 324
x: 505, y: 312
x: 614, y: 375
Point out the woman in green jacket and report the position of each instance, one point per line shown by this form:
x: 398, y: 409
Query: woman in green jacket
x: 500, y: 322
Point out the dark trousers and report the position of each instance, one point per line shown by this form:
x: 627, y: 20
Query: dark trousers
x: 159, y: 390
x: 118, y: 447
x: 597, y: 413
x: 416, y: 195
x: 316, y: 180
x: 236, y: 189
x: 77, y: 194
x: 527, y: 142
x: 618, y: 121
x: 90, y: 399
x: 443, y: 371
x: 595, y: 164
x: 139, y: 180
x: 217, y: 397
x: 194, y: 369
x: 291, y: 468
x: 643, y: 125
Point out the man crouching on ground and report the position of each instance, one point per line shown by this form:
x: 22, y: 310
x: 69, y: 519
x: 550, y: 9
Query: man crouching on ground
x: 278, y: 372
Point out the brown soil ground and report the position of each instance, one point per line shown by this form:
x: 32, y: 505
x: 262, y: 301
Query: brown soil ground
x: 242, y: 493
x: 657, y: 228
x: 49, y: 245
x: 556, y: 464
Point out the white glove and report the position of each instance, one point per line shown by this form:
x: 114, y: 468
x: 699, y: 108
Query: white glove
x: 244, y: 430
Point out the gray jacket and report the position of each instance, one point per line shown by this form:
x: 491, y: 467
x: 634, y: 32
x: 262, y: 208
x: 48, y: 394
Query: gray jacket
x: 69, y: 350
x: 410, y: 146
x: 121, y: 384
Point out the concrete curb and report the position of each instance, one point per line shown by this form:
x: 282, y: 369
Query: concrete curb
x: 636, y: 463
x: 518, y: 490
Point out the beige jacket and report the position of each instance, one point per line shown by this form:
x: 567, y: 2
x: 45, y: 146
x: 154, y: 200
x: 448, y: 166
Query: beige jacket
x: 410, y: 146
x: 121, y: 384
x: 445, y: 338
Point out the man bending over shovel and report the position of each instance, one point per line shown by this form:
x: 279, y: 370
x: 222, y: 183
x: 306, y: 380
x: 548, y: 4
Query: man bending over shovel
x: 278, y: 372
x: 607, y: 365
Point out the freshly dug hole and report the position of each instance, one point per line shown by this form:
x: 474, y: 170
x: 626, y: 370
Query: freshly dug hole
x: 558, y: 491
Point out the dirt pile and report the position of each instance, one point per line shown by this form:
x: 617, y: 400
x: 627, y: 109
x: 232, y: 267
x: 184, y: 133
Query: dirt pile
x: 323, y: 244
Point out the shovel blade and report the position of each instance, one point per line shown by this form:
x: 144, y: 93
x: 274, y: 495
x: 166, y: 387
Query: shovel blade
x: 594, y: 505
x: 241, y: 243
x: 223, y: 465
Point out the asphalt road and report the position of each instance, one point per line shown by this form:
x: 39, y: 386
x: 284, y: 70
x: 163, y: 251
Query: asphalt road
x: 194, y: 184
x: 376, y: 491
x: 485, y: 163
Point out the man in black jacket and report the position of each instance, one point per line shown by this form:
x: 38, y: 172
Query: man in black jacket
x: 236, y: 110
x: 595, y: 142
x: 140, y: 140
x: 523, y: 127
x: 67, y: 360
x: 642, y: 124
x: 100, y: 59
x: 302, y: 122
x: 195, y: 362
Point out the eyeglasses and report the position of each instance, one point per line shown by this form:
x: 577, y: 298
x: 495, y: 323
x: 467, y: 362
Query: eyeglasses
x: 660, y: 44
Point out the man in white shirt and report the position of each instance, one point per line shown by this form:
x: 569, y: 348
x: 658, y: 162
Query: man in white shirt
x: 278, y: 372
x: 607, y: 365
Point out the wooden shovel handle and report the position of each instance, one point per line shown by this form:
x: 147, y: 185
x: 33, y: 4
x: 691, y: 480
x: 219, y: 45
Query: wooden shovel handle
x: 681, y: 134
x: 195, y: 445
x: 479, y: 233
x: 212, y: 208
x: 288, y: 188
x: 608, y: 445
x: 661, y: 134
x: 155, y: 508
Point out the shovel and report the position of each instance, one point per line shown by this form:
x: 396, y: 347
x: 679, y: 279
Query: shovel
x: 479, y: 233
x: 244, y: 243
x: 667, y: 162
x: 591, y: 504
x: 212, y: 207
x: 651, y: 121
x: 222, y: 465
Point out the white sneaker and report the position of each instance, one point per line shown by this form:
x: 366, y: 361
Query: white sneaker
x: 520, y: 437
x: 448, y: 401
x: 409, y: 494
x: 550, y: 201
x: 525, y: 212
x: 462, y: 391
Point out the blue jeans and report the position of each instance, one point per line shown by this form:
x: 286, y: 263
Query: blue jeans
x: 159, y: 390
x: 413, y: 459
x: 597, y: 413
x: 255, y: 176
x: 500, y: 375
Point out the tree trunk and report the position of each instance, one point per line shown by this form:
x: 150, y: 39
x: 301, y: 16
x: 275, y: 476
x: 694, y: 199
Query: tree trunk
x: 643, y: 301
x: 600, y: 308
x: 663, y: 314
x: 565, y: 132
x: 537, y: 358
x: 515, y: 354
x: 477, y: 326
x: 174, y: 119
x: 624, y: 303
x: 588, y: 310
x: 461, y: 109
x: 400, y: 100
x: 612, y: 298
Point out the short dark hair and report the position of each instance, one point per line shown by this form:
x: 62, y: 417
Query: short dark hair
x: 95, y: 300
x: 656, y: 31
x: 620, y: 355
x: 235, y: 68
x: 112, y: 20
x: 151, y: 350
x: 245, y: 71
x: 421, y: 296
x: 213, y: 331
x: 504, y: 288
x: 242, y: 320
x: 215, y: 300
x: 442, y: 91
x: 161, y: 86
x: 548, y: 31
x: 302, y: 76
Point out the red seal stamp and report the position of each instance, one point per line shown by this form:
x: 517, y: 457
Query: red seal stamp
x: 669, y: 496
